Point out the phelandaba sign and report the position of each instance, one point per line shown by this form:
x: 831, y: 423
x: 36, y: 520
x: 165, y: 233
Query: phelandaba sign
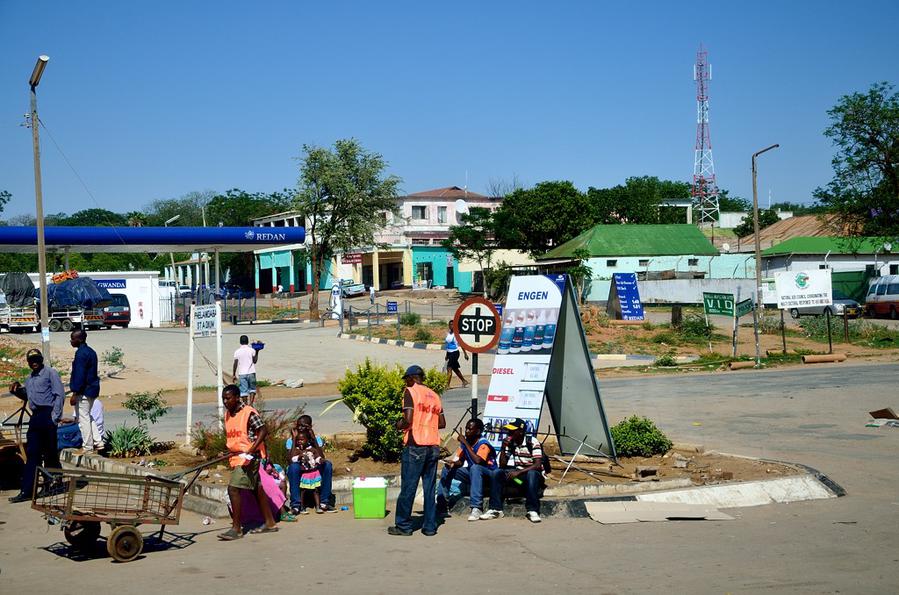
x: 477, y: 325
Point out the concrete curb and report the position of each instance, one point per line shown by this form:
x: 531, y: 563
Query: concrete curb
x: 438, y: 347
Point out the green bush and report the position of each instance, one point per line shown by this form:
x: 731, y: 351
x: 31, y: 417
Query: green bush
x: 374, y: 394
x: 862, y: 332
x: 694, y: 327
x: 769, y: 325
x: 410, y: 318
x: 639, y: 436
x: 422, y: 335
x: 113, y: 357
x: 129, y: 441
x: 666, y: 337
x: 665, y: 361
x: 146, y: 406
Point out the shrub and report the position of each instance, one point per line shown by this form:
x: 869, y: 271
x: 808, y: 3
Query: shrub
x: 129, y: 441
x: 146, y: 406
x: 374, y: 394
x: 422, y: 335
x: 694, y: 326
x: 647, y: 326
x: 410, y: 318
x: 665, y: 361
x: 862, y: 332
x: 114, y: 357
x: 666, y: 337
x: 769, y: 325
x: 639, y: 436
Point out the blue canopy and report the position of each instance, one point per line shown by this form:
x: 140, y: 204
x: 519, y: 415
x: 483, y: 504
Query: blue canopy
x: 150, y: 239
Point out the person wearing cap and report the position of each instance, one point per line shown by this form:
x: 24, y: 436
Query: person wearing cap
x: 421, y: 422
x: 85, y: 386
x: 45, y: 395
x: 520, y: 461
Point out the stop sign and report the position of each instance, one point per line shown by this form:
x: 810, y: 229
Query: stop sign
x: 477, y: 325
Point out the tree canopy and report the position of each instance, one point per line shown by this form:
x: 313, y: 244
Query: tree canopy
x: 342, y: 193
x: 638, y: 201
x: 865, y: 187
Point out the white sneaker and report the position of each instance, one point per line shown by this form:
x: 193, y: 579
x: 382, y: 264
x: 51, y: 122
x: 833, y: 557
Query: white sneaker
x: 492, y: 514
x: 475, y: 514
x: 534, y: 517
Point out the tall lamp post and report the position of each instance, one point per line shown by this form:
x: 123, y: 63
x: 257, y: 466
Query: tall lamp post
x: 172, y: 254
x: 33, y: 82
x: 758, y: 251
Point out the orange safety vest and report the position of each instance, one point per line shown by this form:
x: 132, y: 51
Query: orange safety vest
x: 425, y: 416
x: 238, y: 440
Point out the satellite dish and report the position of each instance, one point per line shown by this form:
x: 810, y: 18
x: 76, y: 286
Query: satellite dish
x: 888, y: 247
x: 725, y: 246
x: 461, y: 207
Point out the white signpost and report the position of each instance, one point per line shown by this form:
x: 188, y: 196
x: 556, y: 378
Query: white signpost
x: 799, y: 289
x: 205, y: 321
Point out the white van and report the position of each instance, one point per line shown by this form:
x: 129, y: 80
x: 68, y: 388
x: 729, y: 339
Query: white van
x: 883, y: 297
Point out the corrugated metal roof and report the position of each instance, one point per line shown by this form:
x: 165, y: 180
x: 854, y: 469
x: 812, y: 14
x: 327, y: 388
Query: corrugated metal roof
x: 823, y: 245
x: 448, y: 193
x: 637, y: 240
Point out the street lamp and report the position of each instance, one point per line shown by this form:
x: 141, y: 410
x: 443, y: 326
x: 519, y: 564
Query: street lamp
x: 172, y: 254
x: 758, y: 252
x: 33, y: 82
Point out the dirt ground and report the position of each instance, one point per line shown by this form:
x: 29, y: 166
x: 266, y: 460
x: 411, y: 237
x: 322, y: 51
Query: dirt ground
x: 702, y: 468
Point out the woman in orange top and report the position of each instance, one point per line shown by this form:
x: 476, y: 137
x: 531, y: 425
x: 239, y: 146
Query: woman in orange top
x: 422, y: 419
x: 246, y: 434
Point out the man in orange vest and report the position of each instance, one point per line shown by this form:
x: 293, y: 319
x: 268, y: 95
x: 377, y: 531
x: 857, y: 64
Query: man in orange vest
x: 422, y: 418
x: 246, y: 434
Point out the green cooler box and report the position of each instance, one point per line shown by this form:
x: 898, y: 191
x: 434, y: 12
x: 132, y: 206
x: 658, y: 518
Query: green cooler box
x: 370, y: 497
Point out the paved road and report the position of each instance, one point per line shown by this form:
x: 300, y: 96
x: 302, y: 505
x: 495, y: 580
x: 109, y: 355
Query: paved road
x: 811, y: 415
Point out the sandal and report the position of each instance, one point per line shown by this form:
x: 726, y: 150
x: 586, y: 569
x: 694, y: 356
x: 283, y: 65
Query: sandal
x: 264, y: 529
x: 288, y: 517
x: 230, y: 535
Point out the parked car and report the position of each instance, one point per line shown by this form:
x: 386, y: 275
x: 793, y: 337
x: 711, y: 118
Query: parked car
x: 185, y: 291
x: 349, y: 288
x: 842, y: 304
x: 118, y: 312
x: 883, y: 297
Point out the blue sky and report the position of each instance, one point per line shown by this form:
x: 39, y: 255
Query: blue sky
x: 156, y: 99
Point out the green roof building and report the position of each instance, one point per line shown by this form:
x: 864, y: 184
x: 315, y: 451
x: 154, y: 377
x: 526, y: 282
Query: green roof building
x: 876, y: 255
x: 637, y: 240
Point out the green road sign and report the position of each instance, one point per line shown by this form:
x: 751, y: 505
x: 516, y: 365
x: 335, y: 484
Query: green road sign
x: 718, y: 303
x: 744, y: 307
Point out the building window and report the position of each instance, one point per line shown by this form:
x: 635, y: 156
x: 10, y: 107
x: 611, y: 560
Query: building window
x: 611, y: 263
x: 692, y: 262
x: 420, y: 241
x: 441, y: 214
x: 644, y: 262
x: 823, y: 266
x: 419, y: 212
x: 894, y: 269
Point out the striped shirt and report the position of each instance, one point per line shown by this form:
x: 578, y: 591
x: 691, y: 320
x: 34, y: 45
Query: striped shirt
x: 520, y: 457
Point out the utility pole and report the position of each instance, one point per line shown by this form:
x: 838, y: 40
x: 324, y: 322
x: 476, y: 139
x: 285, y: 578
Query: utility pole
x: 33, y: 82
x: 758, y: 252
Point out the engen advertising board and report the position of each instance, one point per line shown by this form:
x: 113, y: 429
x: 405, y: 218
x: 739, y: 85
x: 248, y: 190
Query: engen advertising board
x: 521, y: 365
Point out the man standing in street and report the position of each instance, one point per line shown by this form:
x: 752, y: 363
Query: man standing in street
x: 422, y: 419
x: 244, y: 370
x: 45, y: 395
x: 245, y: 434
x: 85, y: 386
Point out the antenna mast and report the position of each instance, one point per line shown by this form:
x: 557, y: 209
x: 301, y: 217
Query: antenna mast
x: 705, y: 188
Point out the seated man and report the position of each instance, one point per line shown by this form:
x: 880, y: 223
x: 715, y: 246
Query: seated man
x: 474, y: 461
x: 520, y: 461
x: 294, y: 470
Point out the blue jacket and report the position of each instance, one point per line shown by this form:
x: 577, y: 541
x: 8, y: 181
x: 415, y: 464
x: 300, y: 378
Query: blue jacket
x: 84, y: 380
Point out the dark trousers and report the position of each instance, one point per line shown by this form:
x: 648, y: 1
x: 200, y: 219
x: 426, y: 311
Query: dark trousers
x: 418, y: 462
x: 532, y: 481
x: 294, y: 471
x: 41, y: 448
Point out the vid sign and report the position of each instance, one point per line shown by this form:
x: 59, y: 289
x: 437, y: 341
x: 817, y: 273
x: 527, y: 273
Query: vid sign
x: 798, y: 289
x: 205, y: 321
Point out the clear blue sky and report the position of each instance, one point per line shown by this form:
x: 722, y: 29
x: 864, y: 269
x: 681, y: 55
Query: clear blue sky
x: 156, y: 99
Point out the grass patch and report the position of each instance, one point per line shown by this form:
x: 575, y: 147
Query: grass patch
x: 861, y: 332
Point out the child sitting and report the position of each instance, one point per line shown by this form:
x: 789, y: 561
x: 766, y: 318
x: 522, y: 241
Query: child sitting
x: 305, y: 457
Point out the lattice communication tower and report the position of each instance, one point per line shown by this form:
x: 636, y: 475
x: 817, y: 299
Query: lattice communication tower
x: 705, y: 187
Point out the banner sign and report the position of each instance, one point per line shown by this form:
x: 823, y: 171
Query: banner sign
x: 628, y: 295
x: 351, y: 258
x: 721, y: 304
x: 798, y: 289
x: 110, y: 283
x: 205, y: 321
x: 744, y: 308
x: 522, y: 357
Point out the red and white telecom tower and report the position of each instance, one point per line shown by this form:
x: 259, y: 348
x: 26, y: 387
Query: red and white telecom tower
x: 705, y: 188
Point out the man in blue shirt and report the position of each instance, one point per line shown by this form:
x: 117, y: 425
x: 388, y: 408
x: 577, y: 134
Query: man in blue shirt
x: 44, y: 392
x: 85, y: 386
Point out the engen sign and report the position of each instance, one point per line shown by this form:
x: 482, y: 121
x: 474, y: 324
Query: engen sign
x: 477, y: 325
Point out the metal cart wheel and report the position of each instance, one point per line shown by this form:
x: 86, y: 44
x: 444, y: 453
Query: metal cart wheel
x: 67, y: 325
x: 82, y: 534
x: 125, y: 543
